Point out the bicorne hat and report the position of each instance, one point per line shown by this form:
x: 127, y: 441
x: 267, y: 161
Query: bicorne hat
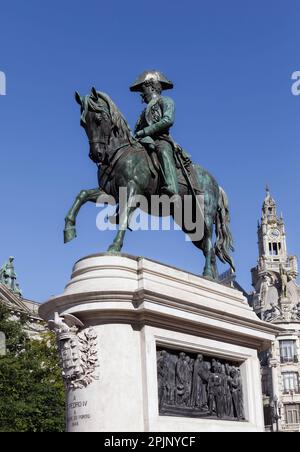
x: 151, y: 75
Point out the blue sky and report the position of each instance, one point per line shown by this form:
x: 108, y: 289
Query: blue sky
x: 231, y: 63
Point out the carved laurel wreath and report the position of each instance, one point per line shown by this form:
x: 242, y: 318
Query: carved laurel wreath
x: 87, y: 341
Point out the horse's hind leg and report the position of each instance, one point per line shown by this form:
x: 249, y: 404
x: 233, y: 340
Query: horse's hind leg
x: 206, y: 245
x: 210, y: 268
x: 70, y: 220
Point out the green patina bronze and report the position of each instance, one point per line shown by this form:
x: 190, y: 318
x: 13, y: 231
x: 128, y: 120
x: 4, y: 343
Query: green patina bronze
x: 8, y: 277
x: 153, y: 125
x: 149, y: 163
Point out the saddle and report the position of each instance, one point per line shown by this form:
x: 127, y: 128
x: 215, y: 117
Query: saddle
x: 186, y: 171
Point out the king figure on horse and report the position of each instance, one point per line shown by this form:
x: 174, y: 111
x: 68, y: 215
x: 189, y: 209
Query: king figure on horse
x: 150, y: 163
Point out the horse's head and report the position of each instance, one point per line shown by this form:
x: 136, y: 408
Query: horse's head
x: 102, y: 121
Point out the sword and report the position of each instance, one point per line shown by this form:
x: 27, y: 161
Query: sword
x: 185, y: 173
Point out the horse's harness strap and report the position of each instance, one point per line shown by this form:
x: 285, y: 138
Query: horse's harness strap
x: 108, y: 168
x: 115, y: 153
x: 97, y: 142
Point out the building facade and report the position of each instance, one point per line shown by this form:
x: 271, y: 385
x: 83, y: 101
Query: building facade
x: 11, y: 296
x: 276, y: 299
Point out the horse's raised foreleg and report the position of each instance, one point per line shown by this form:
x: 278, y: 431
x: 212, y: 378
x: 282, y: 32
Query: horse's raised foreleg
x: 125, y: 214
x: 70, y: 220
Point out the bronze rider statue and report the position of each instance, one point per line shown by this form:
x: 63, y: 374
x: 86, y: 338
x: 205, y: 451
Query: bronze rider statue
x: 152, y: 128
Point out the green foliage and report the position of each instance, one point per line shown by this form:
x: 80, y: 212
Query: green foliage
x: 31, y: 388
x: 13, y: 330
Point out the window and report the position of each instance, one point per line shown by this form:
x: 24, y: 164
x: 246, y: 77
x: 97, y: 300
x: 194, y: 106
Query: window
x: 265, y: 384
x: 271, y: 212
x: 290, y: 381
x: 292, y: 414
x: 273, y: 249
x: 268, y: 415
x: 287, y: 351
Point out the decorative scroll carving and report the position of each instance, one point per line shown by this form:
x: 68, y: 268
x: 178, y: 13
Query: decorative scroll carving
x: 77, y: 349
x: 274, y: 313
x: 286, y: 311
x: 196, y: 386
x: 295, y: 315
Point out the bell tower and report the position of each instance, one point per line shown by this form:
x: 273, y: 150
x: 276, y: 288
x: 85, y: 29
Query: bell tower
x: 275, y: 268
x: 271, y: 234
x: 276, y: 299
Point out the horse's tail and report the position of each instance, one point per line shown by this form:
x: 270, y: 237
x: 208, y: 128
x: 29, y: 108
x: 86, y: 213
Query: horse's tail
x: 224, y: 242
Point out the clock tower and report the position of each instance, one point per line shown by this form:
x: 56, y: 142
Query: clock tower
x: 276, y: 270
x: 276, y: 299
x: 271, y: 234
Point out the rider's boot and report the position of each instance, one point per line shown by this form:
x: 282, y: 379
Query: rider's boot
x: 170, y: 186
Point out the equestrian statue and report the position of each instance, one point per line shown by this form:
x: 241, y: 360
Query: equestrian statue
x: 149, y: 163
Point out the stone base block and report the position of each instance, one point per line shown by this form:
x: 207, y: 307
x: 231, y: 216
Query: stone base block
x: 119, y: 315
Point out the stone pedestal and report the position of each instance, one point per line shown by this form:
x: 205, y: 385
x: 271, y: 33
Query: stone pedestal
x: 117, y: 311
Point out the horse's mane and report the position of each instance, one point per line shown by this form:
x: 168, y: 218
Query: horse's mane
x: 91, y: 103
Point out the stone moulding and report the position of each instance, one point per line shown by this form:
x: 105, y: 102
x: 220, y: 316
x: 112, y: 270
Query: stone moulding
x: 147, y: 306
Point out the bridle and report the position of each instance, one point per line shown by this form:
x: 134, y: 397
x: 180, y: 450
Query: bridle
x: 113, y: 152
x: 105, y: 143
x: 98, y: 142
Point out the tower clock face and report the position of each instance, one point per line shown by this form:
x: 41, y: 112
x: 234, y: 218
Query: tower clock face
x: 274, y: 233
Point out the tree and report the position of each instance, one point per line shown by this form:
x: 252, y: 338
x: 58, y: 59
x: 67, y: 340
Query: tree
x: 31, y: 388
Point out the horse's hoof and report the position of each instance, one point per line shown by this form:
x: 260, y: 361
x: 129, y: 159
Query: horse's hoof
x: 113, y: 249
x: 69, y: 234
x: 209, y: 277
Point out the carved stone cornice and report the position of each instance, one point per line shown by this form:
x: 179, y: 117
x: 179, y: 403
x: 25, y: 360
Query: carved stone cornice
x: 139, y: 292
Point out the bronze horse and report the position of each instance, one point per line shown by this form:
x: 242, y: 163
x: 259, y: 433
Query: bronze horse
x: 123, y: 162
